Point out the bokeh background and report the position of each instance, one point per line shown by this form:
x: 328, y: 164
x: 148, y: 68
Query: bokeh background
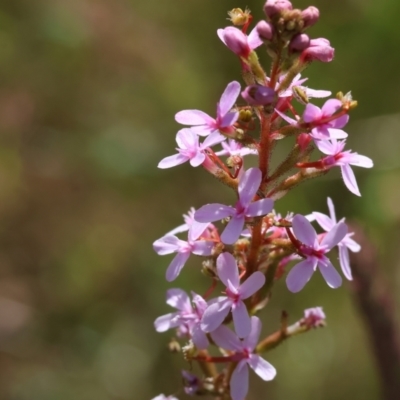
x: 88, y: 93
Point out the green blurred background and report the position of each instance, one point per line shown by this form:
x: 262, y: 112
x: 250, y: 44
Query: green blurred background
x: 88, y: 93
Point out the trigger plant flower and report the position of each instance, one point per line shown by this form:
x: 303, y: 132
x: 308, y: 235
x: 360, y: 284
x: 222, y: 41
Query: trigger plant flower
x: 313, y: 253
x: 238, y: 42
x: 249, y: 184
x: 202, y: 124
x: 245, y: 357
x: 215, y: 314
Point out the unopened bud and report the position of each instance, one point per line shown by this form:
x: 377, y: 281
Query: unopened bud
x: 235, y: 40
x: 265, y: 30
x: 310, y: 16
x: 313, y: 318
x: 299, y: 42
x: 273, y: 7
x: 319, y: 49
x: 257, y: 95
x: 303, y: 140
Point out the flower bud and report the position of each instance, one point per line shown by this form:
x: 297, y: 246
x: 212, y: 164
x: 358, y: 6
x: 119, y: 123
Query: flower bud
x: 235, y: 40
x: 310, y: 16
x: 319, y: 49
x: 273, y: 7
x: 299, y: 42
x: 313, y: 317
x: 257, y: 95
x: 303, y: 140
x: 265, y: 30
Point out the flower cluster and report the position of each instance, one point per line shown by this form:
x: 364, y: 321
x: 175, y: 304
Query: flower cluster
x: 247, y: 247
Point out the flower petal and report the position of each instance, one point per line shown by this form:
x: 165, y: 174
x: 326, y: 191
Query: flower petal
x: 203, y: 247
x: 215, y: 314
x: 249, y: 183
x: 241, y: 319
x: 323, y: 220
x: 252, y: 284
x: 228, y: 98
x: 345, y: 262
x: 262, y: 367
x: 193, y: 117
x: 213, y: 212
x: 179, y: 299
x: 233, y: 230
x: 331, y: 276
x: 349, y: 179
x: 199, y: 338
x: 251, y: 340
x: 166, y: 322
x: 303, y: 230
x: 311, y: 113
x: 226, y: 339
x: 254, y: 39
x: 331, y: 209
x: 300, y: 274
x: 167, y: 244
x: 240, y: 381
x: 172, y: 161
x: 229, y: 119
x: 260, y: 207
x: 227, y: 269
x: 335, y: 235
x: 197, y: 159
x: 176, y: 266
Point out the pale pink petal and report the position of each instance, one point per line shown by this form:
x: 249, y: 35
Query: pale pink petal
x: 311, y: 113
x: 197, y: 229
x: 252, y: 284
x: 213, y: 139
x: 197, y: 159
x: 240, y: 381
x: 345, y: 262
x: 167, y: 244
x: 335, y: 235
x: 349, y: 179
x: 291, y: 121
x: 331, y: 106
x: 351, y: 244
x: 251, y: 340
x: 226, y: 339
x: 249, y: 183
x: 233, y: 230
x: 203, y: 248
x: 340, y: 122
x: 254, y: 39
x: 335, y: 133
x: 221, y: 35
x: 186, y: 139
x: 199, y: 338
x: 300, y: 274
x: 176, y: 266
x: 166, y: 322
x: 262, y: 367
x: 331, y: 276
x: 172, y: 161
x: 323, y: 220
x: 213, y: 212
x: 193, y: 117
x: 303, y: 230
x: 229, y: 119
x: 215, y: 314
x: 331, y: 209
x: 228, y: 98
x: 241, y: 319
x: 260, y: 207
x: 204, y: 130
x: 359, y: 160
x: 227, y: 269
x: 318, y: 94
x: 326, y: 146
x: 179, y: 299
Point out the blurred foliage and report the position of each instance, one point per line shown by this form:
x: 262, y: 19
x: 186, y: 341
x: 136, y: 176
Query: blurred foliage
x: 88, y: 93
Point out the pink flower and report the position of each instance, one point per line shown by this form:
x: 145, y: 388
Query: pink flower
x: 337, y: 157
x: 189, y: 149
x: 346, y: 244
x: 171, y: 244
x: 237, y: 41
x: 217, y: 311
x: 249, y: 184
x: 186, y: 319
x: 325, y: 127
x: 298, y: 82
x: 203, y: 125
x: 244, y: 354
x: 233, y: 148
x: 314, y: 252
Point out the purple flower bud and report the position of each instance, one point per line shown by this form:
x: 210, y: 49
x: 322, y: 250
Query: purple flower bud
x: 273, y: 7
x: 310, y: 16
x: 299, y: 42
x: 257, y: 95
x: 320, y: 50
x: 265, y: 30
x: 236, y: 41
